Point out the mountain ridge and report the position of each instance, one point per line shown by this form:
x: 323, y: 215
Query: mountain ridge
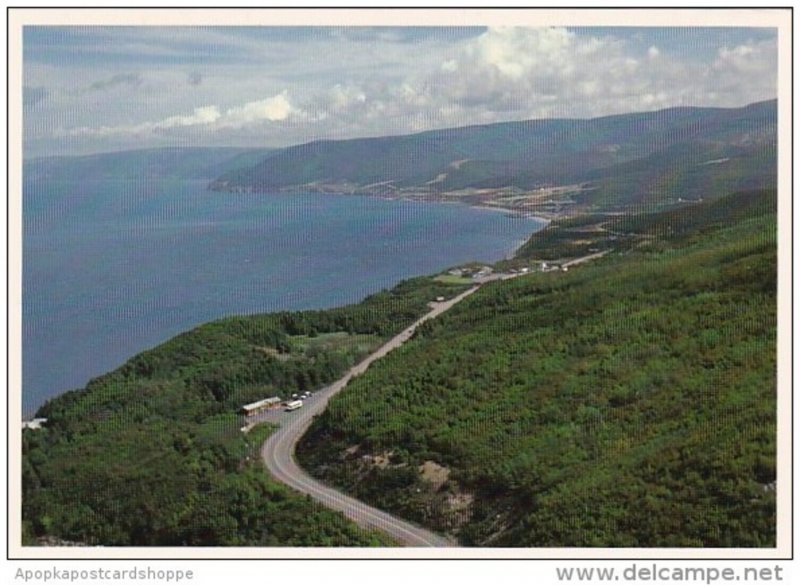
x: 514, y: 164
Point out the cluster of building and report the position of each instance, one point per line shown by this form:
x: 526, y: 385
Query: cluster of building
x: 273, y: 403
x: 552, y: 267
x: 479, y: 272
x: 475, y: 272
x: 256, y: 407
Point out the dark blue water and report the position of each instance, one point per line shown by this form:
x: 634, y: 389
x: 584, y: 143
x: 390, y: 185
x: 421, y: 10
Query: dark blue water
x: 111, y: 268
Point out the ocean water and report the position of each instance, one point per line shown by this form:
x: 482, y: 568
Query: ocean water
x: 111, y: 268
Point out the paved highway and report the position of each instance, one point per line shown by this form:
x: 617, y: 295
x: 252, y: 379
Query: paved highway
x: 583, y: 259
x: 278, y: 451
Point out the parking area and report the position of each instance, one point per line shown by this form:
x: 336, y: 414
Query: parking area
x: 279, y: 413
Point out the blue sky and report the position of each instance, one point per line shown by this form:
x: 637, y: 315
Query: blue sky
x: 90, y: 89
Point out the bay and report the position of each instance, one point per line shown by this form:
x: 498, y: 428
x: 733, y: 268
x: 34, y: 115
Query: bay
x: 113, y: 267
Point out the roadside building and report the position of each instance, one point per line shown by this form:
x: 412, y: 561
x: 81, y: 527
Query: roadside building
x: 483, y: 272
x: 34, y: 424
x: 261, y: 406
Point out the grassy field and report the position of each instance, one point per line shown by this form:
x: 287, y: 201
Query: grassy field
x: 336, y: 341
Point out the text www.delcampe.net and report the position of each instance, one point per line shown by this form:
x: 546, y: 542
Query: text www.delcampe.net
x: 655, y: 573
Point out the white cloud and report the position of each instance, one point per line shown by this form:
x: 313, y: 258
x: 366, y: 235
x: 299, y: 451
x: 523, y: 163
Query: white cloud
x: 515, y: 51
x: 200, y: 117
x: 519, y: 73
x: 274, y: 91
x: 342, y: 96
x: 515, y: 73
x: 450, y: 65
x: 747, y: 58
x: 273, y: 109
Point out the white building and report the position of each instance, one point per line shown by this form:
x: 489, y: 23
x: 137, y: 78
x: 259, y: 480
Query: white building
x: 260, y: 406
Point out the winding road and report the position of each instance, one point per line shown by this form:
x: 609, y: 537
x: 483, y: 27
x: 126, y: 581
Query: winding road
x: 278, y: 450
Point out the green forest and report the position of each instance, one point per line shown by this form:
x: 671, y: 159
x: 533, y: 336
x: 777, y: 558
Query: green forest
x: 152, y: 453
x: 628, y: 403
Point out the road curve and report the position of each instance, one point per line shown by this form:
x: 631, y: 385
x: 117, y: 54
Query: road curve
x: 278, y: 451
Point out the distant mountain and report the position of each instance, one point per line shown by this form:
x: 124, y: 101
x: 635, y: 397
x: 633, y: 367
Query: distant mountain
x: 174, y: 162
x: 617, y: 160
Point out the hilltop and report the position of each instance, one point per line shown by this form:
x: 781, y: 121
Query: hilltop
x: 546, y: 167
x: 554, y: 166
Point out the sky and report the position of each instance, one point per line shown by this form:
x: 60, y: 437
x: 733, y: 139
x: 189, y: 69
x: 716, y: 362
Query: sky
x: 95, y: 89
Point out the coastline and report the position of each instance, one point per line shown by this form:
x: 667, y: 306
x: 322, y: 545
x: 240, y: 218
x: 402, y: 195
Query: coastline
x: 388, y: 278
x: 489, y: 199
x: 517, y: 213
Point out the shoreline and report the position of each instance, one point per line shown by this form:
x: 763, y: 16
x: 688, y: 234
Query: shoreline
x: 515, y: 213
x: 479, y: 199
x: 509, y: 251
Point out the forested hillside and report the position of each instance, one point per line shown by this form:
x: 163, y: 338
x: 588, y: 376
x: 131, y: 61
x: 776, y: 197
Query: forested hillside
x: 610, y: 162
x: 630, y: 402
x: 152, y: 453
